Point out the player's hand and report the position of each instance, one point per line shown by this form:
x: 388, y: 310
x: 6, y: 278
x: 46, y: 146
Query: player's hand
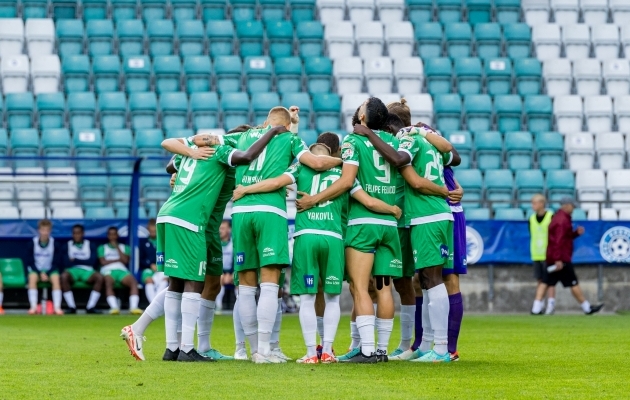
x: 201, y: 153
x: 361, y: 130
x: 559, y: 266
x: 306, y: 202
x: 455, y: 196
x: 172, y: 182
x: 396, y: 212
x: 239, y: 192
x: 43, y: 277
x: 295, y: 117
x: 279, y: 129
x: 580, y: 230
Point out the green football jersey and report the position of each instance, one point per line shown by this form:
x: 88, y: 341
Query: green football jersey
x: 110, y: 253
x: 216, y: 215
x: 273, y: 161
x: 375, y: 175
x: 400, y: 199
x: 197, y: 188
x: 428, y: 163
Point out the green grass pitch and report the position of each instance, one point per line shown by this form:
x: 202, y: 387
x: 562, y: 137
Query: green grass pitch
x: 568, y: 356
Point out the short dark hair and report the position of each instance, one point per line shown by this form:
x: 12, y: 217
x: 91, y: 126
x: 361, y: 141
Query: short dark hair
x: 355, y: 117
x: 393, y: 124
x: 240, y: 128
x: 112, y: 228
x: 331, y: 140
x: 375, y: 113
x: 151, y: 221
x: 78, y: 226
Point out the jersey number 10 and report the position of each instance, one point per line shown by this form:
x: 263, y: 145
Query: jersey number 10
x: 319, y: 185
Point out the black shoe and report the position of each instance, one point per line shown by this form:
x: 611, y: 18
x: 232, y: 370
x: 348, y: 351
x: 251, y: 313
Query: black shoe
x: 359, y: 358
x: 93, y: 311
x: 170, y: 355
x: 595, y: 309
x: 193, y: 356
x: 70, y: 311
x: 542, y: 312
x: 381, y: 356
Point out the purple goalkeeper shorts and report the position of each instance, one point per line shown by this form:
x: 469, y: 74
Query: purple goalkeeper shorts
x: 459, y: 245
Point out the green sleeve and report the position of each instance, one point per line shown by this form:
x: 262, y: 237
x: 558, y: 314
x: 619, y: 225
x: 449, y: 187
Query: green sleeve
x: 127, y: 250
x: 293, y: 171
x: 297, y: 146
x: 348, y: 152
x: 177, y: 162
x: 101, y: 251
x: 223, y: 154
x: 447, y: 158
x: 231, y: 139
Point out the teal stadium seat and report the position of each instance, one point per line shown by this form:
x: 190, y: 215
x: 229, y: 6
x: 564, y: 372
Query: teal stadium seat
x: 550, y: 150
x: 448, y: 110
x: 509, y: 111
x: 310, y: 38
x: 174, y: 107
x: 309, y: 136
x: 538, y: 113
x: 137, y: 72
x: 178, y: 133
x: 518, y: 38
x: 477, y: 214
x: 70, y: 33
x: 489, y: 150
x: 560, y: 183
x: 99, y: 213
x: 261, y: 103
x: 4, y: 146
x: 228, y: 70
x: 318, y: 71
x: 487, y: 39
x: 468, y: 75
x: 479, y: 11
x: 190, y: 37
x: 303, y: 101
x: 51, y: 110
x: 243, y: 10
x: 143, y: 110
x: 302, y: 10
x: 250, y: 37
x: 130, y: 37
x: 527, y: 75
x: 498, y: 73
x: 106, y: 72
x: 123, y: 9
x: 94, y: 9
x: 478, y: 112
x: 507, y: 11
x: 528, y: 183
x: 472, y: 182
x: 279, y: 38
x: 112, y: 110
x: 119, y: 185
x: 326, y: 108
x: 118, y: 143
x: 100, y: 37
x: 64, y: 9
x: 25, y: 143
x: 168, y: 74
x: 160, y: 35
x: 81, y: 110
x: 153, y: 190
x: 204, y: 109
x: 509, y: 214
x: 429, y: 39
x: 499, y: 185
x: 8, y: 9
x: 458, y: 37
x: 212, y: 10
x: 94, y: 187
x: 258, y: 74
x: 56, y: 143
x: 235, y: 107
x: 420, y: 11
x: 439, y: 75
x: 148, y: 143
x: 519, y: 150
x: 20, y: 107
x: 197, y: 74
x: 34, y: 9
x: 272, y: 10
x: 183, y: 10
x: 153, y: 9
x: 220, y: 37
x: 288, y: 72
x: 87, y: 143
x: 76, y: 73
x: 449, y: 10
x: 462, y: 141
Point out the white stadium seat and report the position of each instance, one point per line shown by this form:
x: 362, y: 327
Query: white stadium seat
x: 9, y: 212
x: 598, y: 111
x: 618, y: 188
x: 40, y: 36
x: 588, y: 77
x: 399, y: 38
x: 625, y: 40
x: 536, y: 11
x: 45, y: 73
x: 11, y: 37
x: 14, y: 71
x: 607, y: 214
x: 339, y: 39
x: 33, y: 213
x: 594, y: 12
x: 348, y: 74
x: 620, y: 10
x: 369, y: 38
x: 568, y: 111
x: 7, y: 191
x: 360, y: 11
x: 331, y: 10
x: 616, y: 75
x: 387, y: 98
x: 577, y: 41
x: 546, y: 38
x: 605, y: 40
x: 565, y: 12
x: 624, y: 214
x: 390, y: 10
x: 591, y: 186
x: 580, y: 150
x: 622, y: 112
x: 610, y: 150
x: 378, y: 74
x: 421, y: 106
x: 558, y: 78
x: 409, y: 74
x: 349, y: 104
x: 67, y: 213
x: 62, y: 195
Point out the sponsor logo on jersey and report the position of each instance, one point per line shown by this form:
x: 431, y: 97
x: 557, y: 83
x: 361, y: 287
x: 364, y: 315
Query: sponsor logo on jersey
x: 395, y: 263
x: 406, y: 144
x: 347, y: 151
x: 614, y: 245
x: 444, y: 251
x: 332, y: 280
x: 309, y: 281
x: 171, y: 263
x: 474, y: 245
x: 217, y: 259
x: 268, y: 252
x: 159, y: 258
x: 240, y: 258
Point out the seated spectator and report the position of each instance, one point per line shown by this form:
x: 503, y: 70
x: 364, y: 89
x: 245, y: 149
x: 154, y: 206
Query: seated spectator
x: 154, y: 281
x: 77, y: 257
x: 114, y: 258
x: 41, y: 268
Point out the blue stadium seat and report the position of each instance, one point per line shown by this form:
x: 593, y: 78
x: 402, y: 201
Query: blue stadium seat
x: 99, y: 213
x: 87, y: 143
x: 106, y: 71
x: 160, y: 34
x: 137, y: 71
x: 213, y: 10
x: 528, y: 183
x: 479, y: 11
x: 100, y: 37
x: 272, y: 10
x: 148, y: 143
x: 235, y: 108
x: 468, y: 75
x: 184, y: 10
x: 310, y: 38
x: 70, y: 33
x: 288, y: 72
x: 517, y: 40
x: 303, y: 101
x: 130, y: 37
x: 458, y: 37
x: 153, y: 9
x: 123, y: 9
x: 509, y: 111
x: 228, y: 70
x: 118, y: 143
x: 477, y: 214
x: 488, y: 40
x: 4, y: 145
x: 143, y: 110
x: 51, y: 110
x: 8, y: 9
x: 243, y: 10
x: 174, y: 108
x: 302, y: 10
x: 319, y: 72
x: 81, y: 110
x: 204, y: 108
x: 280, y: 38
x: 250, y: 37
x: 179, y: 133
x: 499, y: 187
x: 449, y: 10
x: 519, y: 150
x: 261, y: 104
x: 429, y: 39
x: 120, y: 185
x: 220, y: 37
x: 20, y: 107
x: 462, y: 141
x: 489, y: 150
x: 94, y: 9
x: 439, y: 75
x: 25, y: 143
x: 509, y: 214
x: 326, y: 108
x: 76, y: 73
x: 168, y: 74
x: 478, y: 112
x: 308, y: 135
x: 498, y: 76
x: 507, y: 11
x: 448, y: 110
x: 197, y: 74
x: 420, y: 11
x: 538, y: 113
x: 560, y: 183
x: 34, y: 9
x: 152, y: 189
x: 94, y: 187
x: 190, y: 37
x: 472, y: 182
x: 528, y: 74
x: 550, y: 150
x: 56, y: 143
x: 113, y: 110
x: 258, y: 73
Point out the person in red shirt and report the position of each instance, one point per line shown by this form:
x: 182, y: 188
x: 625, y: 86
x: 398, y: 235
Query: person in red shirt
x: 559, y: 255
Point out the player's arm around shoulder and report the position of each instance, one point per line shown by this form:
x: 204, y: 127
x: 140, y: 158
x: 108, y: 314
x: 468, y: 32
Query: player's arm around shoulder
x: 264, y: 186
x: 184, y: 147
x: 318, y: 163
x: 420, y: 184
x: 238, y: 157
x: 339, y: 187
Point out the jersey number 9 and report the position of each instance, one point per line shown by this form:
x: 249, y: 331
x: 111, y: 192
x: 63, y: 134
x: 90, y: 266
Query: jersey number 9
x: 382, y: 165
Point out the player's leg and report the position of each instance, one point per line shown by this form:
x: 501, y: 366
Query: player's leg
x: 240, y: 352
x: 418, y: 331
x: 55, y: 282
x: 405, y: 290
x: 305, y: 281
x: 569, y: 279
x: 150, y: 289
x: 456, y: 266
x: 66, y: 287
x: 130, y: 281
x: 112, y: 301
x: 173, y: 317
x: 96, y: 280
x: 274, y: 342
x: 191, y: 299
x: 267, y: 306
x: 33, y: 279
x: 331, y: 272
x: 134, y: 334
x: 541, y: 275
x: 320, y: 305
x: 551, y: 300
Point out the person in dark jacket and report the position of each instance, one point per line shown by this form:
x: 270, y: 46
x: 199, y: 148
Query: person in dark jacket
x: 559, y: 256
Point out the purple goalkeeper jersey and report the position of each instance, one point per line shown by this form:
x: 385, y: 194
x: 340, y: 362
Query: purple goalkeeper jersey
x: 449, y: 179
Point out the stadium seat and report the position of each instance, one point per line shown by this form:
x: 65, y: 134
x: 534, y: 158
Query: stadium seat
x: 517, y: 40
x: 616, y: 75
x: 310, y: 38
x: 130, y: 37
x: 148, y: 144
x: 204, y: 108
x: 81, y: 110
x: 87, y: 143
x: 421, y: 106
x: 349, y: 104
x: 25, y: 143
x: 588, y: 77
x: 606, y: 214
x: 577, y: 41
x: 220, y: 37
x: 369, y: 38
x: 303, y: 101
x: 498, y: 73
x: 499, y: 186
x: 235, y: 107
x: 76, y: 73
x: 547, y: 41
x: 167, y: 71
x: 476, y: 214
x: 420, y: 11
x: 488, y: 40
x: 280, y: 38
x: 448, y: 109
x: 348, y: 74
x: 378, y: 75
x: 94, y: 9
x: 594, y: 12
x: 106, y: 71
x: 302, y: 10
x: 118, y: 143
x: 605, y: 39
x: 137, y: 71
x: 611, y: 151
x: 598, y: 112
x: 519, y: 150
x: 11, y: 37
x: 70, y: 35
x: 99, y: 213
x: 197, y: 74
x: 100, y: 37
x: 4, y: 146
x: 509, y: 214
x: 538, y: 113
x: 45, y: 74
x: 462, y: 141
x: 478, y: 112
x: 174, y: 109
x: 120, y: 185
x: 449, y: 10
x: 558, y: 78
x: 19, y: 111
x: 591, y: 187
x: 8, y: 9
x: 536, y: 11
x: 228, y: 70
x: 617, y: 184
x: 272, y: 10
x: 527, y: 75
x: 288, y: 72
x: 160, y: 35
x: 243, y: 10
x: 250, y: 38
x: 153, y: 9
x: 560, y: 183
x: 112, y: 110
x: 428, y: 37
x: 479, y: 11
x: 260, y: 105
x: 258, y: 73
x: 550, y: 150
x: 143, y: 110
x: 360, y: 10
x: 190, y: 38
x: 67, y: 213
x: 8, y: 212
x: 580, y: 151
x: 339, y: 39
x: 472, y: 182
x: 439, y: 72
x: 212, y: 10
x: 565, y: 12
x: 622, y: 112
x: 409, y: 74
x: 507, y: 11
x: 51, y: 110
x: 568, y: 111
x: 15, y: 71
x: 40, y: 36
x: 56, y: 143
x: 468, y: 75
x: 400, y: 39
x: 625, y: 39
x: 183, y: 10
x: 36, y: 213
x: 489, y: 150
x: 123, y: 9
x: 326, y: 108
x: 620, y: 12
x: 319, y: 71
x: 624, y: 214
x: 458, y: 37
